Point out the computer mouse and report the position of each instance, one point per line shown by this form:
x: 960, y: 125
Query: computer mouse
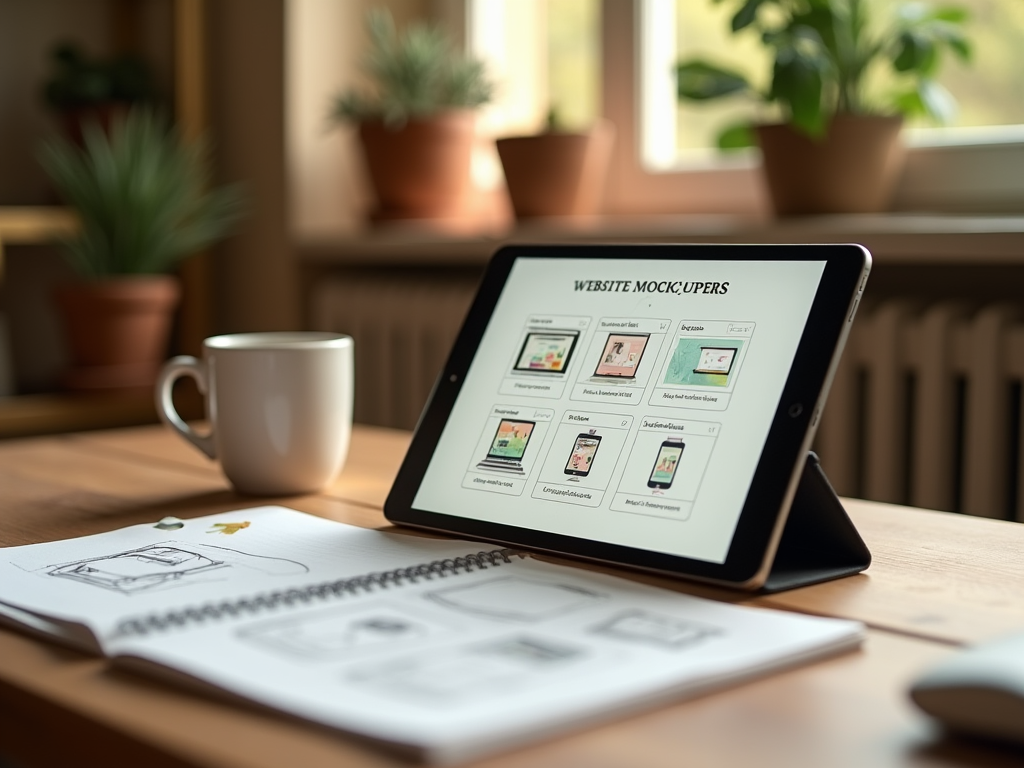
x: 978, y: 691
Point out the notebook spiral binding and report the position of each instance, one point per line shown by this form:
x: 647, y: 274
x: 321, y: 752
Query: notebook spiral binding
x: 369, y: 582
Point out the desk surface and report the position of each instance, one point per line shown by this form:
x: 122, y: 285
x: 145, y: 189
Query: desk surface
x: 938, y: 581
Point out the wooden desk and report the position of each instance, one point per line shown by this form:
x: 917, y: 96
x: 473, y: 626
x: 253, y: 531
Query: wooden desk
x: 938, y: 581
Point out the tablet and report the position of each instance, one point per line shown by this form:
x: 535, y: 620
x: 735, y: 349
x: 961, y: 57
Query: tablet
x: 621, y: 356
x: 508, y: 446
x: 546, y: 352
x: 672, y: 439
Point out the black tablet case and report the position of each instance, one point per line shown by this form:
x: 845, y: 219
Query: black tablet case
x: 819, y: 541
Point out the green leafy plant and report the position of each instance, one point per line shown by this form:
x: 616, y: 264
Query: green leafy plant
x: 414, y: 74
x: 79, y: 81
x: 823, y: 55
x: 142, y: 194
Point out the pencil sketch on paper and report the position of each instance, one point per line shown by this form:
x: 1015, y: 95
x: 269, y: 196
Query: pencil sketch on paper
x: 167, y: 564
x: 512, y: 597
x: 637, y: 626
x: 323, y: 635
x: 455, y: 675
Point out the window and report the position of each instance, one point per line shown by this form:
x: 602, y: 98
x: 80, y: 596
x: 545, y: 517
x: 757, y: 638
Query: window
x: 976, y: 164
x: 614, y: 58
x: 633, y: 42
x: 987, y: 90
x: 544, y: 55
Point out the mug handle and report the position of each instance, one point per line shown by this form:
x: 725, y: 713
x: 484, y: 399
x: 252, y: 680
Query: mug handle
x: 175, y: 368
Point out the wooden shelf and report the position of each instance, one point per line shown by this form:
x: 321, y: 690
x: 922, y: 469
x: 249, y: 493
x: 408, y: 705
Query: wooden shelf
x: 21, y: 225
x: 28, y: 225
x: 22, y: 415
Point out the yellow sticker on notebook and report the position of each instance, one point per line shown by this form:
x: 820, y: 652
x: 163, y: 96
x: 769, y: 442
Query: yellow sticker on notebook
x: 229, y: 528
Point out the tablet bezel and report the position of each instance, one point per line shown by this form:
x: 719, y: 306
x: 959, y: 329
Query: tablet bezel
x: 764, y: 511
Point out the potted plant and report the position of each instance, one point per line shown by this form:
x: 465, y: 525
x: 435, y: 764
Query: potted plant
x: 837, y: 148
x: 557, y: 172
x: 141, y: 194
x: 82, y: 89
x: 416, y: 124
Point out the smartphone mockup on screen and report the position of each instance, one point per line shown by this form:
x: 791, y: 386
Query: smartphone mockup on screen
x: 582, y: 457
x: 664, y: 470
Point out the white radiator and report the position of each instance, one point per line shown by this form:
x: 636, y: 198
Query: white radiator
x: 403, y: 327
x: 925, y: 409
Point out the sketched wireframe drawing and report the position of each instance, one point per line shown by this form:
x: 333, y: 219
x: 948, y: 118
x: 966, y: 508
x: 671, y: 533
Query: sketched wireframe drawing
x: 511, y: 597
x: 453, y: 675
x: 648, y: 628
x: 165, y: 564
x: 327, y: 633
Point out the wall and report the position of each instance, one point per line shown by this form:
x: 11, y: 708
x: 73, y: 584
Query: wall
x: 325, y: 43
x: 28, y: 31
x: 256, y: 287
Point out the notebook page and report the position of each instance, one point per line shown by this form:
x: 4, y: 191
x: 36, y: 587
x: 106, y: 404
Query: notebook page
x: 468, y: 664
x: 100, y: 580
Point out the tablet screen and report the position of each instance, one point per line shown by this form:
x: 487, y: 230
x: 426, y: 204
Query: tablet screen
x: 675, y: 433
x: 651, y: 434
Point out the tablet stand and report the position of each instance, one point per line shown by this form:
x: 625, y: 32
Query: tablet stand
x: 819, y: 541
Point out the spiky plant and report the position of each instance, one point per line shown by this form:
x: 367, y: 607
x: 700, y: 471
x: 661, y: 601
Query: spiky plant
x: 415, y: 74
x: 143, y: 196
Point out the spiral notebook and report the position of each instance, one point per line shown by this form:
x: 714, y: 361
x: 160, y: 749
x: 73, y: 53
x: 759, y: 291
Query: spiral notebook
x: 440, y: 648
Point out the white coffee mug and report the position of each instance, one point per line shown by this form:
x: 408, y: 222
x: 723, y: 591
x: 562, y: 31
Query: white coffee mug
x: 279, y: 406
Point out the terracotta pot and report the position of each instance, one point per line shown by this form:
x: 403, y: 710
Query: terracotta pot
x: 117, y: 330
x: 557, y: 174
x: 852, y: 169
x: 420, y: 170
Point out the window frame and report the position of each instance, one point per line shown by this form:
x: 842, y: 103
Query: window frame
x: 632, y: 188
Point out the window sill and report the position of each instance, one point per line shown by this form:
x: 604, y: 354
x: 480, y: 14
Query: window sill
x: 893, y: 238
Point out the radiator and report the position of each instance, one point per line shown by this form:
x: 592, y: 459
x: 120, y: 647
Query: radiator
x: 925, y: 408
x: 403, y: 327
